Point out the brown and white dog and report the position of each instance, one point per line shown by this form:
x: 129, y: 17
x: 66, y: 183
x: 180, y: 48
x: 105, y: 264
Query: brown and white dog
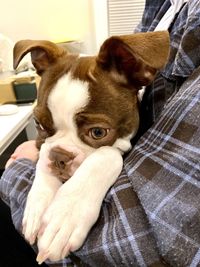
x: 86, y: 114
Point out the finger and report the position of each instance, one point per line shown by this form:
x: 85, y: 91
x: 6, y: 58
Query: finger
x: 41, y: 257
x: 59, y: 242
x: 47, y: 234
x: 65, y: 251
x: 31, y: 228
x: 14, y: 155
x: 41, y: 230
x: 31, y: 224
x: 75, y: 242
x: 77, y: 238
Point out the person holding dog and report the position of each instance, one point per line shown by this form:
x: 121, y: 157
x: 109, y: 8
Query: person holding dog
x: 150, y: 217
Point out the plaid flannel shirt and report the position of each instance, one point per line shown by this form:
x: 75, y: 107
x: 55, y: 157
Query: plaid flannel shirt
x: 151, y: 215
x: 184, y: 34
x: 184, y: 56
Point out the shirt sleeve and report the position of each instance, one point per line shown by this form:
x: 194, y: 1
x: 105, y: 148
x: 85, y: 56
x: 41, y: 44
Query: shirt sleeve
x: 15, y: 184
x: 151, y: 214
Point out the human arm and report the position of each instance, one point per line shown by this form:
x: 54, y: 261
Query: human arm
x: 151, y: 213
x: 26, y: 150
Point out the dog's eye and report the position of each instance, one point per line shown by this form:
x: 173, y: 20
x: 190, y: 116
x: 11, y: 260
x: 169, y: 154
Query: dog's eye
x: 38, y: 125
x: 98, y: 132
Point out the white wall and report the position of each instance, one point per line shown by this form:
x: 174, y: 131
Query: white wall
x: 56, y: 20
x: 100, y: 22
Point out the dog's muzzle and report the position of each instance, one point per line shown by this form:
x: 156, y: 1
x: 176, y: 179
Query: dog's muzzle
x: 61, y: 161
x: 64, y: 162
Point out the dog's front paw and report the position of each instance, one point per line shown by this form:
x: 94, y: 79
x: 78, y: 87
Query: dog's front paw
x: 37, y: 203
x: 66, y: 224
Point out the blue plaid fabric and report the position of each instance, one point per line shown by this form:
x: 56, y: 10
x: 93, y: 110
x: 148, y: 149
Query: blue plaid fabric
x: 184, y: 34
x: 151, y: 215
x: 184, y: 57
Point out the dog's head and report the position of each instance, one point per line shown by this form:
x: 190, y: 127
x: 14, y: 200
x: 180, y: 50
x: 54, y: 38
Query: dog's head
x: 89, y: 102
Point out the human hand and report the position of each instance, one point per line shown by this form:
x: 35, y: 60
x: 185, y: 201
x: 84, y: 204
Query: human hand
x: 25, y: 150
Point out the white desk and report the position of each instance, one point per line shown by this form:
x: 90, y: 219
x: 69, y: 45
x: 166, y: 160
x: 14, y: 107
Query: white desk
x: 12, y: 125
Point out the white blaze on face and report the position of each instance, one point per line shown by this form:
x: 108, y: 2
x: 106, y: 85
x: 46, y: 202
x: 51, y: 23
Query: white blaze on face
x: 68, y: 97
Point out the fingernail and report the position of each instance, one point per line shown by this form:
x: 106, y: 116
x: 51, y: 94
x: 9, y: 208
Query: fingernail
x: 42, y: 256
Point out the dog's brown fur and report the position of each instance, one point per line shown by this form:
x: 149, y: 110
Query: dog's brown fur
x: 123, y: 65
x: 88, y: 131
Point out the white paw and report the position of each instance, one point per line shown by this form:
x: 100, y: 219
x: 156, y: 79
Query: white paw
x: 37, y: 203
x: 76, y: 205
x: 39, y: 198
x: 66, y: 223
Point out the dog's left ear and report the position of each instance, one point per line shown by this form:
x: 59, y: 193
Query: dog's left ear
x: 137, y: 56
x: 43, y: 53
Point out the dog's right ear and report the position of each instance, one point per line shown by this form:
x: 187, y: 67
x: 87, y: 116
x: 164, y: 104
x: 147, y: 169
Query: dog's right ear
x: 136, y: 57
x: 43, y: 53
